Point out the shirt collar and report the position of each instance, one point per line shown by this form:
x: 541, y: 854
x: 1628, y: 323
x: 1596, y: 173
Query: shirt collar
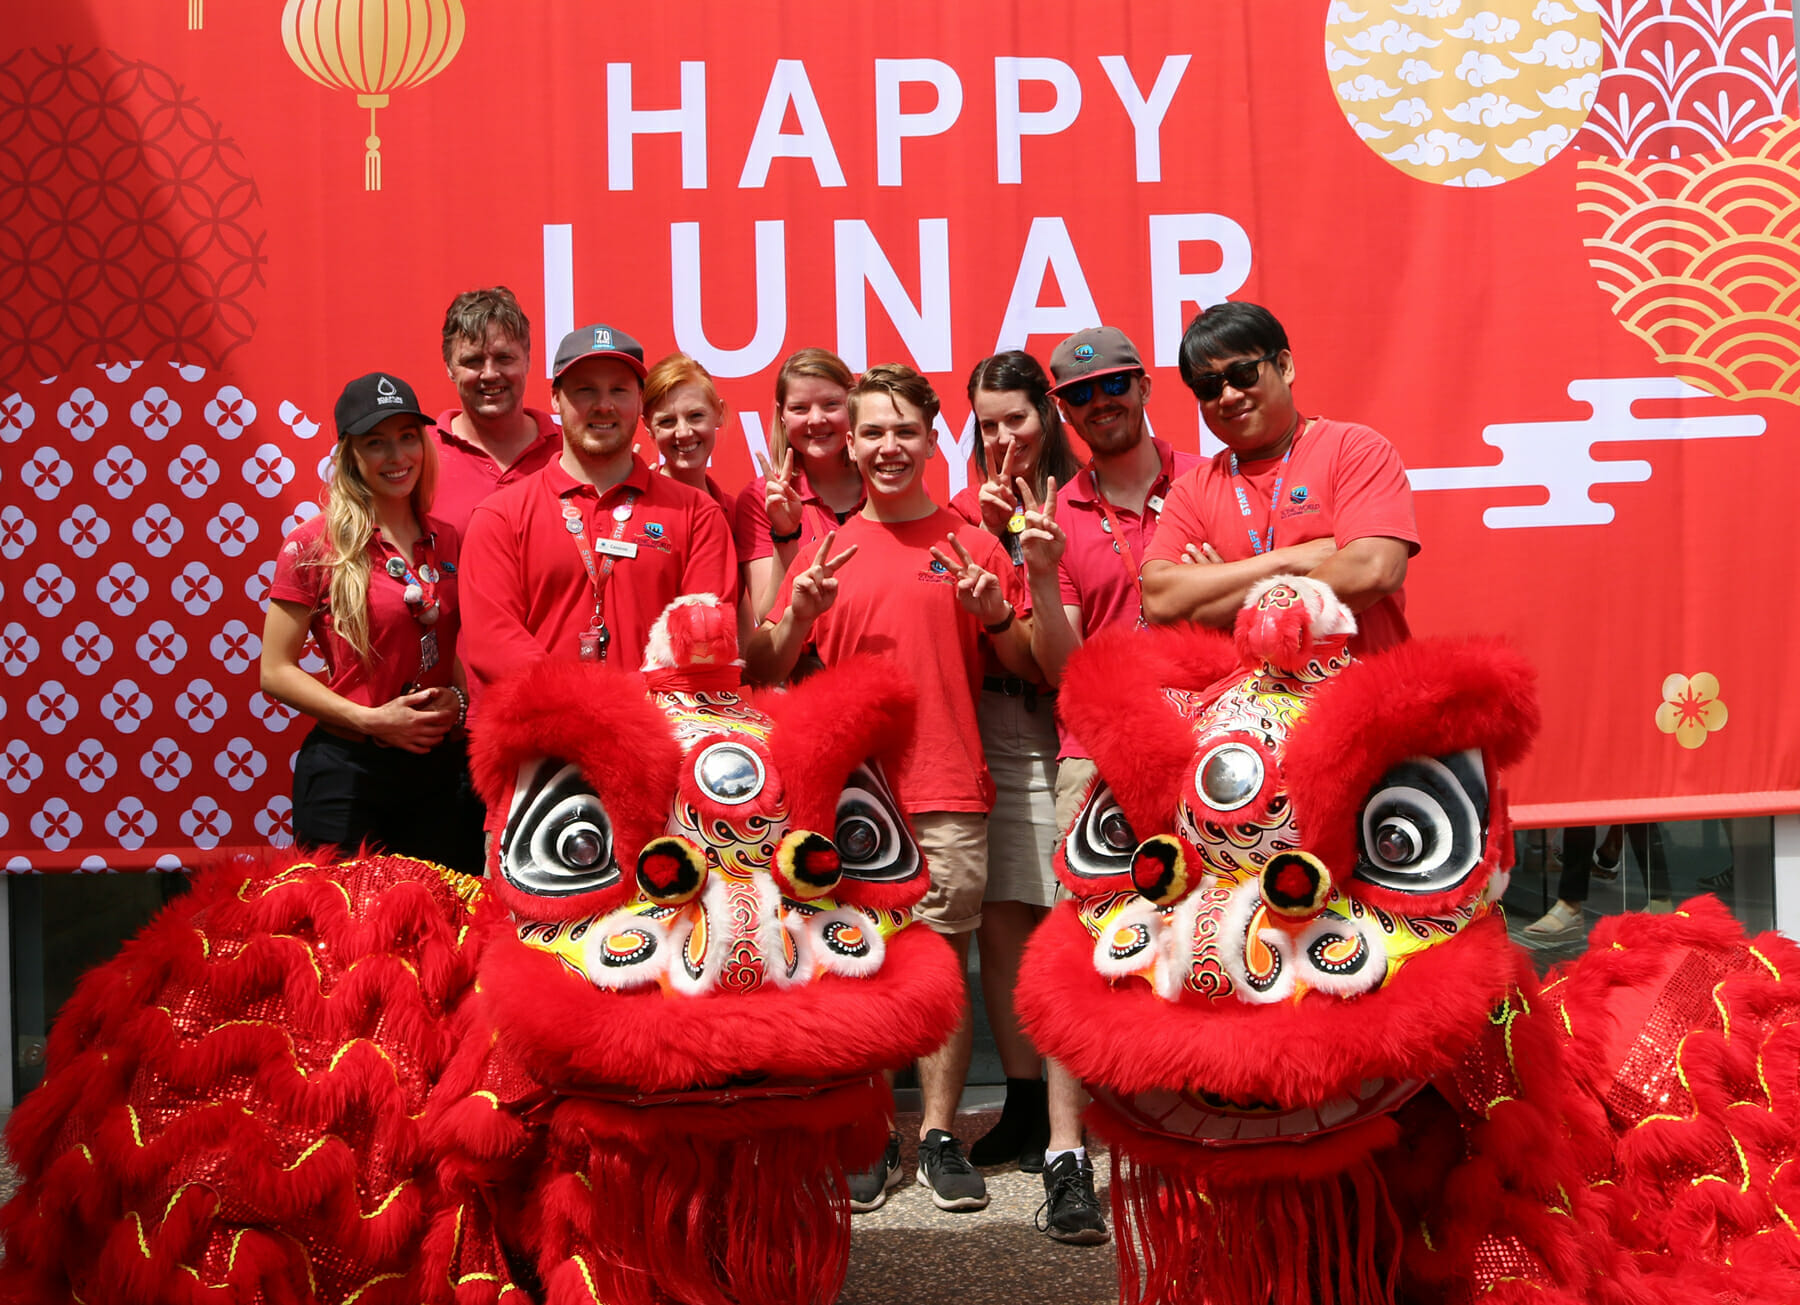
x: 562, y: 484
x: 1082, y: 490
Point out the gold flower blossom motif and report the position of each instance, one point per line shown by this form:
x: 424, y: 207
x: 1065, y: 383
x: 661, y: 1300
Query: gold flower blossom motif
x: 1690, y: 708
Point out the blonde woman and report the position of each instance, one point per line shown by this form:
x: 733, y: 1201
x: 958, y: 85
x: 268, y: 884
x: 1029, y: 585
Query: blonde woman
x: 808, y: 486
x: 373, y: 580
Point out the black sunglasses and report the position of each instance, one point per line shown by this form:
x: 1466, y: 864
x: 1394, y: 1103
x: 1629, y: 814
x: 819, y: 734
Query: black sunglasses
x: 1243, y: 375
x: 1081, y: 393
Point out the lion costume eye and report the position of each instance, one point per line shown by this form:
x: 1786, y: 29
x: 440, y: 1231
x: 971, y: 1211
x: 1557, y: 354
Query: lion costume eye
x: 872, y: 840
x: 558, y: 840
x: 1102, y: 841
x: 1424, y: 826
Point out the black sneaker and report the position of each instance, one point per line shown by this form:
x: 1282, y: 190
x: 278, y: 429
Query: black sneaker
x: 1071, y: 1211
x: 946, y: 1171
x: 869, y: 1188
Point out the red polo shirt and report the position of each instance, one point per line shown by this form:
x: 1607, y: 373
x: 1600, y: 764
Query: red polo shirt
x: 395, y: 649
x: 526, y: 593
x: 1094, y: 574
x: 1343, y: 481
x: 893, y: 599
x: 466, y: 474
x: 750, y: 522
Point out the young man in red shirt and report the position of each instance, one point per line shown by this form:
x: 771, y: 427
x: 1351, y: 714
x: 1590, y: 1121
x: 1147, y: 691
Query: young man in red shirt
x: 580, y: 559
x: 907, y: 577
x: 1081, y: 558
x: 493, y: 439
x: 1288, y: 494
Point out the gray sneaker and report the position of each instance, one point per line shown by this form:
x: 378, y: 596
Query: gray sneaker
x: 1071, y: 1211
x: 870, y: 1187
x: 946, y: 1172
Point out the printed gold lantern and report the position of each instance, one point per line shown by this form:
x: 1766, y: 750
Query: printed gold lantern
x: 372, y: 47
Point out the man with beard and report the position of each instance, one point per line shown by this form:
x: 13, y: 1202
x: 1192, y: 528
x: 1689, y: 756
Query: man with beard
x: 1081, y: 557
x: 1288, y: 495
x: 493, y: 439
x: 580, y: 559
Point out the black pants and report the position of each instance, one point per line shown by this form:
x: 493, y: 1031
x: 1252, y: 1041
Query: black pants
x: 1578, y: 853
x: 348, y: 794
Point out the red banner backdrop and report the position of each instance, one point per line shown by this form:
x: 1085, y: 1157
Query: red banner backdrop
x: 1550, y: 247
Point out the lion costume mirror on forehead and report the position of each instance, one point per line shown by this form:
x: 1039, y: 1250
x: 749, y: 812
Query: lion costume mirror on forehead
x: 1325, y: 1073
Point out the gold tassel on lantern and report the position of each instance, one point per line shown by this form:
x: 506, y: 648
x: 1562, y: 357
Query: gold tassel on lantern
x: 196, y: 14
x: 372, y: 47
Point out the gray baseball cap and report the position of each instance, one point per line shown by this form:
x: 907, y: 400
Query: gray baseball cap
x: 1096, y: 351
x: 598, y: 341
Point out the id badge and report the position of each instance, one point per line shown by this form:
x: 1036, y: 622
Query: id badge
x: 428, y: 651
x: 615, y: 547
x: 593, y: 644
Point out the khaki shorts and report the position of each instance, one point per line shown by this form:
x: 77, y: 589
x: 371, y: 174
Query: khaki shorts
x: 955, y: 848
x: 1074, y: 777
x: 1020, y: 746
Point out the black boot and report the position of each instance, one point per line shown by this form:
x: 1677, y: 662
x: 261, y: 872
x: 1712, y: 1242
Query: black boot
x: 1024, y: 1124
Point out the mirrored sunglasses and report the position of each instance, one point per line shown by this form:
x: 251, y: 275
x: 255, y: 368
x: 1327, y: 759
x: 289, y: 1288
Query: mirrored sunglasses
x: 1081, y: 393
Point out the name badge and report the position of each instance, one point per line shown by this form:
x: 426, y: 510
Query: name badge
x: 615, y: 547
x: 1156, y: 503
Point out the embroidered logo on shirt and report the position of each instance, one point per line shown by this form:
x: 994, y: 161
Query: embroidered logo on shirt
x: 653, y: 534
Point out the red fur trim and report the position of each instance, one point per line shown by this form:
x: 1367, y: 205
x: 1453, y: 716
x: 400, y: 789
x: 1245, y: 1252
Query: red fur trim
x: 830, y: 1028
x: 1302, y: 1052
x: 829, y: 724
x: 1429, y: 697
x: 1112, y: 701
x: 595, y: 717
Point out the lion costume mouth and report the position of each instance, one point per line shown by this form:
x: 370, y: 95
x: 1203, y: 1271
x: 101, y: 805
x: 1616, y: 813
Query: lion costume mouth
x: 1209, y: 1120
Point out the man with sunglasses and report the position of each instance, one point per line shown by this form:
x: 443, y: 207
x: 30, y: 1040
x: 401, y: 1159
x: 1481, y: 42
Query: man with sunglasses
x: 1081, y: 555
x: 1288, y: 495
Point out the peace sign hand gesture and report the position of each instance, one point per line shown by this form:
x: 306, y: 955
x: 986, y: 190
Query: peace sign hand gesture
x: 996, y: 497
x: 781, y: 501
x: 815, y: 589
x: 977, y: 588
x: 1042, y: 542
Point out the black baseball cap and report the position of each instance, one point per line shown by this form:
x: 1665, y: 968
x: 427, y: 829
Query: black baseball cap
x: 368, y: 400
x: 1097, y: 351
x: 598, y: 341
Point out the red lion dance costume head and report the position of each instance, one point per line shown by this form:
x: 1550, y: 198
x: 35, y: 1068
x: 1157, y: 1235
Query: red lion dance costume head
x: 1324, y: 1072
x: 631, y: 1066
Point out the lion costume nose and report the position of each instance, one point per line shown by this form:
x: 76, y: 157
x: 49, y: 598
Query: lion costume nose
x: 1295, y: 885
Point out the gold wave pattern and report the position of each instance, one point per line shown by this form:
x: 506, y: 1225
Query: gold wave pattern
x: 1701, y: 256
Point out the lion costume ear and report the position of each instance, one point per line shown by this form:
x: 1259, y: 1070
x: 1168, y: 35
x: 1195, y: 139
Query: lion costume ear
x: 580, y: 744
x: 833, y: 731
x: 1113, y: 702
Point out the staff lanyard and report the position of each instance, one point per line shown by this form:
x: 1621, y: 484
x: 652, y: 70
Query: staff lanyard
x: 1121, y: 545
x: 1262, y: 544
x: 419, y: 592
x: 598, y: 572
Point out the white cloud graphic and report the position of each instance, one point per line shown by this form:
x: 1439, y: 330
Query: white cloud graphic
x: 1486, y: 27
x: 1414, y: 71
x: 1561, y: 50
x: 1409, y: 113
x: 1338, y: 59
x: 1390, y: 37
x: 1366, y: 130
x: 1483, y: 69
x: 1475, y: 177
x: 1538, y: 146
x: 1434, y: 148
x: 1576, y: 93
x: 1365, y: 87
x: 1489, y: 110
x: 1550, y: 12
x: 1341, y: 12
x: 1429, y: 8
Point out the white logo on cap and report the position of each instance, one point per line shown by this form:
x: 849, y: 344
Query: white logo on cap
x: 386, y: 393
x: 602, y: 338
